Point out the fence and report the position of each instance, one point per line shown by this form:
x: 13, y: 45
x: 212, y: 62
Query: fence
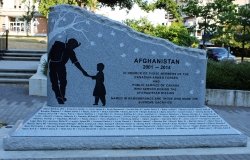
x: 4, y: 42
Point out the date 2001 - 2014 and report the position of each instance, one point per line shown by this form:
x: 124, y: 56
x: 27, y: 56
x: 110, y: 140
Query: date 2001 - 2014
x: 156, y: 67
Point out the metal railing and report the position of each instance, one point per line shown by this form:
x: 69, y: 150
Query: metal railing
x: 4, y: 42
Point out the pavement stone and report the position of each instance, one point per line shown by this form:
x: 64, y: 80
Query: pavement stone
x: 16, y: 104
x: 237, y: 117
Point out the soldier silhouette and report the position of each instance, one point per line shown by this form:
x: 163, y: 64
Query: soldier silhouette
x: 99, y: 90
x: 59, y: 55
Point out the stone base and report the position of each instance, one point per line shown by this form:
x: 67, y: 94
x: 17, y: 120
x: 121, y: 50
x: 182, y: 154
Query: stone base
x: 38, y: 85
x: 105, y: 128
x: 38, y: 82
x: 146, y: 142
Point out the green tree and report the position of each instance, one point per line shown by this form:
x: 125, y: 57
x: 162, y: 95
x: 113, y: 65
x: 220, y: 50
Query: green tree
x: 234, y: 29
x: 142, y: 25
x: 29, y: 15
x: 91, y: 4
x: 176, y: 33
x: 217, y: 19
x: 207, y: 21
x: 170, y: 6
x: 225, y: 16
x: 243, y: 27
x: 112, y: 3
x: 46, y: 4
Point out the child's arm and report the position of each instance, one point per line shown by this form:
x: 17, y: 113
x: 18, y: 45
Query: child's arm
x: 93, y: 77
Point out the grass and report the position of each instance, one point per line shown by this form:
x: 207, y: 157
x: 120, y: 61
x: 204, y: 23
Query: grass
x: 28, y: 39
x: 27, y: 43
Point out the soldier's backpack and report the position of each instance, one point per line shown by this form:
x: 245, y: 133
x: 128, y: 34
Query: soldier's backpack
x: 56, y: 52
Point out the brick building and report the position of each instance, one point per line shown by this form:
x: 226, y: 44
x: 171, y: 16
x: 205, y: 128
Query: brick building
x: 11, y: 12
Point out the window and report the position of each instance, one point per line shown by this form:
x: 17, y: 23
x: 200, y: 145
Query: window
x: 198, y: 32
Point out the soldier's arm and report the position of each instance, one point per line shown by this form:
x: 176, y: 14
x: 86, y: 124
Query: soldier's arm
x: 78, y: 65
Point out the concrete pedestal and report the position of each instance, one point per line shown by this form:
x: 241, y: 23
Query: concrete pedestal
x: 52, y: 128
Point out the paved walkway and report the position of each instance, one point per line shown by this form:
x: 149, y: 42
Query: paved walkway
x: 237, y: 117
x: 15, y: 104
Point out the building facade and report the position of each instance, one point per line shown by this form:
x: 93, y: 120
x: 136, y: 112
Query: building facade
x: 11, y: 13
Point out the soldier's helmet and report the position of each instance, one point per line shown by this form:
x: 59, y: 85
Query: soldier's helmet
x: 73, y: 43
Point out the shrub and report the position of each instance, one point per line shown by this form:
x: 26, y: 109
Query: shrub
x: 176, y: 33
x: 45, y: 68
x: 226, y: 75
x: 2, y: 124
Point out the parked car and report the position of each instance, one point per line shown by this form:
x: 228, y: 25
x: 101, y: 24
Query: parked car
x: 219, y: 54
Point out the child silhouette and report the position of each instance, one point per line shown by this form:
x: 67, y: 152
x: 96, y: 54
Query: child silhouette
x: 99, y: 90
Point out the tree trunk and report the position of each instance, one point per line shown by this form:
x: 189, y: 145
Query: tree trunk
x: 243, y: 43
x: 204, y: 36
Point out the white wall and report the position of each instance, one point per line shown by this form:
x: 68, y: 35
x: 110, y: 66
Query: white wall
x: 235, y: 98
x: 8, y: 4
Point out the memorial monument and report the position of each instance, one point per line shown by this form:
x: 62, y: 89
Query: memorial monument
x: 110, y: 87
